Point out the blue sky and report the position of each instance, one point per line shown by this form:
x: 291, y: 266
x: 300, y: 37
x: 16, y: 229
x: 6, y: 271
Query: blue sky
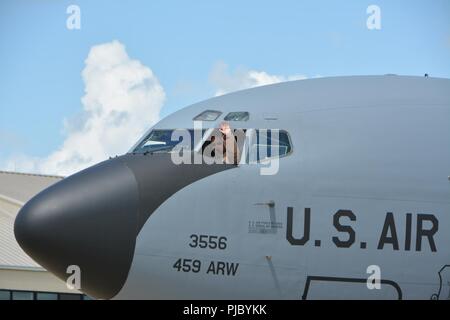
x: 181, y: 41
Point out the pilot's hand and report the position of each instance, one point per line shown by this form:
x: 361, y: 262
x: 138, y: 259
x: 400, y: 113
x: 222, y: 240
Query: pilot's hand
x: 225, y: 129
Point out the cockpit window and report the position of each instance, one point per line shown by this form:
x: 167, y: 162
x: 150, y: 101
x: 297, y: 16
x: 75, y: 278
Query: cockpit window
x: 208, y: 115
x: 254, y: 144
x: 237, y: 116
x: 161, y: 140
x: 271, y: 143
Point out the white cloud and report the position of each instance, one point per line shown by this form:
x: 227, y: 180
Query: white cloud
x: 123, y: 98
x: 225, y: 81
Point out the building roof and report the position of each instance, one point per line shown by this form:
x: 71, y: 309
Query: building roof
x: 15, y: 190
x: 23, y: 186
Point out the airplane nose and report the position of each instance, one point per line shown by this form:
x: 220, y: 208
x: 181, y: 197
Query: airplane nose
x: 88, y: 220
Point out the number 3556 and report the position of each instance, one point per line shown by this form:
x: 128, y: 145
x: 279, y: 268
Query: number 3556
x: 207, y: 241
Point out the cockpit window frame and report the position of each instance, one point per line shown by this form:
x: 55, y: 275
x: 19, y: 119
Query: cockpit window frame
x: 262, y: 161
x: 238, y: 113
x: 135, y: 150
x: 206, y: 134
x: 217, y: 112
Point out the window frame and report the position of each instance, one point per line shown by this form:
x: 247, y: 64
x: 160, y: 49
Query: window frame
x: 80, y: 296
x: 9, y: 293
x: 237, y: 112
x: 244, y: 157
x: 219, y: 113
x: 263, y: 161
x: 191, y: 130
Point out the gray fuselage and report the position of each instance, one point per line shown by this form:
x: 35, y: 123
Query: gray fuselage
x: 365, y: 187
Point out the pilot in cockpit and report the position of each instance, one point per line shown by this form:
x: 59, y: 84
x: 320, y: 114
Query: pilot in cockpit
x: 225, y: 140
